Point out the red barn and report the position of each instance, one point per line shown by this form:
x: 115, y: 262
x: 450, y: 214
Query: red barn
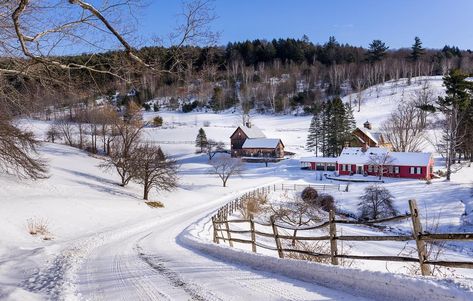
x: 378, y: 160
x: 374, y: 161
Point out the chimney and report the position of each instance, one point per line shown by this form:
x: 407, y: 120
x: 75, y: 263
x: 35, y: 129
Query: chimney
x: 367, y: 125
x: 246, y: 121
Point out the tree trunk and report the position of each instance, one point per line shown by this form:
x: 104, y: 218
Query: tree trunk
x: 145, y: 192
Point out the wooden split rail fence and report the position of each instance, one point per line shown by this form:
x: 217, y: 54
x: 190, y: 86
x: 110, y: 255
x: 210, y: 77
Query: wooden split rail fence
x: 223, y: 232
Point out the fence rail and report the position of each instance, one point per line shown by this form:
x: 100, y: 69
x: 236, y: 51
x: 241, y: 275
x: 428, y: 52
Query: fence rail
x: 223, y: 232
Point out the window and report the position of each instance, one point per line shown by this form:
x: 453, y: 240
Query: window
x: 370, y: 168
x: 330, y: 167
x: 416, y: 170
x: 396, y: 169
x: 344, y: 167
x: 390, y: 169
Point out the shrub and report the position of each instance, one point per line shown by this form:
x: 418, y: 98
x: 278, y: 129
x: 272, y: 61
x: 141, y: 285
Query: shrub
x: 309, y: 195
x: 155, y: 204
x: 189, y: 107
x: 376, y: 203
x: 158, y: 121
x: 38, y: 226
x: 147, y: 107
x: 253, y: 204
x: 326, y: 202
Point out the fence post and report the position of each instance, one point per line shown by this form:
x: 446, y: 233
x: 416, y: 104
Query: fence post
x: 215, y: 230
x: 417, y: 232
x: 230, y: 242
x: 253, y: 234
x: 333, y: 242
x: 276, y: 237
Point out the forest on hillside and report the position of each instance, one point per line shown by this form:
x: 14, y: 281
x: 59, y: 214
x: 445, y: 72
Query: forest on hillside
x: 275, y: 76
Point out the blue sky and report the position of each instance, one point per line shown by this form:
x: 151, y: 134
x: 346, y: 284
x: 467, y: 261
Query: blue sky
x: 356, y: 22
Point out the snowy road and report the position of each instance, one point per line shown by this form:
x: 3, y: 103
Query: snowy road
x: 152, y: 265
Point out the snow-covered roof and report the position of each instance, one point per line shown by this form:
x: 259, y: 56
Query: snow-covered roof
x: 372, y: 135
x: 319, y: 159
x: 252, y: 132
x: 261, y: 143
x: 356, y: 155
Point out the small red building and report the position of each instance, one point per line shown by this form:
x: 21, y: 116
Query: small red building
x: 374, y: 161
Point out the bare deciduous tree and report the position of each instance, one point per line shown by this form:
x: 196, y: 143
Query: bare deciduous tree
x: 376, y: 203
x: 213, y: 147
x: 53, y: 133
x: 380, y: 163
x: 18, y: 152
x: 153, y: 169
x: 123, y: 155
x: 297, y: 212
x: 225, y: 167
x: 405, y: 128
x: 34, y: 32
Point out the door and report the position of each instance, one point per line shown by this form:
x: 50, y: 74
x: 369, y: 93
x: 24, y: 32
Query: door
x: 359, y: 169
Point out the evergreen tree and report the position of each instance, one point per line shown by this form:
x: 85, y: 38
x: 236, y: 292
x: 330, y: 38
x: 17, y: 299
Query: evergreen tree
x: 314, y: 134
x: 201, y: 140
x: 350, y: 123
x: 337, y: 127
x: 417, y: 49
x: 377, y: 51
x: 455, y: 106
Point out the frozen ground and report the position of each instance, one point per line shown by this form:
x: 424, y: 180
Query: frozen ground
x: 108, y: 245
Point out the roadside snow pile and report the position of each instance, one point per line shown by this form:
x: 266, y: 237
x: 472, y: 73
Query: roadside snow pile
x: 377, y: 285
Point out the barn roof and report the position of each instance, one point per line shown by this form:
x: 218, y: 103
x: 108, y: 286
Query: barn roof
x: 261, y: 143
x: 375, y: 136
x: 252, y: 132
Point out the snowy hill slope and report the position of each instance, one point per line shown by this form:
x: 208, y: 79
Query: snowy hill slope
x: 379, y: 101
x: 97, y: 225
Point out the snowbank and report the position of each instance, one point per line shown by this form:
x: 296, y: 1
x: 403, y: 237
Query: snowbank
x: 377, y: 285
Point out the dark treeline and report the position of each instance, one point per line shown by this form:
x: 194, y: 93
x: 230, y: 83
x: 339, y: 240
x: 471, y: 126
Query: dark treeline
x: 275, y: 76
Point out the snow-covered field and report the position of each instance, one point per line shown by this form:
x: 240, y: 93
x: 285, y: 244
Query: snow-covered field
x: 107, y: 244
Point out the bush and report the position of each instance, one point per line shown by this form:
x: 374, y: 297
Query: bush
x: 376, y: 203
x: 147, y: 107
x: 253, y: 204
x: 189, y: 107
x: 326, y: 202
x: 309, y: 195
x: 38, y: 226
x: 158, y: 121
x: 156, y: 204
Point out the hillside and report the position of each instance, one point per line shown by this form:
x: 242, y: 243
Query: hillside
x: 96, y: 225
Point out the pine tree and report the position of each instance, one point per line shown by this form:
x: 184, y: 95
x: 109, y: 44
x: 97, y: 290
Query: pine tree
x: 350, y: 123
x: 324, y: 124
x: 201, y: 140
x: 417, y: 49
x: 337, y: 127
x: 377, y: 51
x: 314, y: 134
x: 455, y: 106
